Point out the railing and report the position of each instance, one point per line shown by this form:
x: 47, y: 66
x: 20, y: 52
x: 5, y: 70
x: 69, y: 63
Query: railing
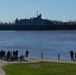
x: 58, y: 56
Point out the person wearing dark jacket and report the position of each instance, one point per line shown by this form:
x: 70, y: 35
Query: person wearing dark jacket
x: 27, y: 52
x: 72, y: 55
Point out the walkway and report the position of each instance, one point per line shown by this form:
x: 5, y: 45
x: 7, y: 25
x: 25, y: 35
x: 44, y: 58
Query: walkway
x: 2, y: 63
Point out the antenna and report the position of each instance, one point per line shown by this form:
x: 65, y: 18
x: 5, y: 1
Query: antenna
x: 37, y: 13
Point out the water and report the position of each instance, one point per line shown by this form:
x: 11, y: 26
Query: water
x: 50, y: 43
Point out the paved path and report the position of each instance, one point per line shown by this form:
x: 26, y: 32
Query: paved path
x: 2, y: 63
x: 30, y: 60
x: 49, y: 60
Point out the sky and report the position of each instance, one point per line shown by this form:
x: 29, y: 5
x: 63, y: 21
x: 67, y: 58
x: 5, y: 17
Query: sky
x: 63, y: 10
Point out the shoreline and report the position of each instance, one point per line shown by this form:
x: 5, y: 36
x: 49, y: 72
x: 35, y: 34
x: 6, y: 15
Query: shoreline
x: 30, y: 60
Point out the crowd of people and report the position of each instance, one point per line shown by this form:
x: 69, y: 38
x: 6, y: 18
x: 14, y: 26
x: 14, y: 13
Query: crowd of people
x: 12, y: 55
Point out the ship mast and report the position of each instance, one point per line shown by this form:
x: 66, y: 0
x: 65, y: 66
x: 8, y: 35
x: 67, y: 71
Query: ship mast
x: 37, y: 13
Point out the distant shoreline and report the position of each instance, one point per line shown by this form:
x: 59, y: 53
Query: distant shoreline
x: 36, y: 27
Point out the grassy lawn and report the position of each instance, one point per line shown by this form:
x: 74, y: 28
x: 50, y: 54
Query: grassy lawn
x: 40, y: 68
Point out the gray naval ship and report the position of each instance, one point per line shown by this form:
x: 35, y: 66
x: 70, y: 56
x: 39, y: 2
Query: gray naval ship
x: 32, y: 21
x: 35, y: 23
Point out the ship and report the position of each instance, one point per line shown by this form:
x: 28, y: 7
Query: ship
x: 35, y: 23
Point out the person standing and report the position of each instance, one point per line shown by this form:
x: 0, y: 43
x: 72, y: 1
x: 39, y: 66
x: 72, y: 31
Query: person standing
x: 72, y: 55
x: 27, y: 52
x: 75, y: 56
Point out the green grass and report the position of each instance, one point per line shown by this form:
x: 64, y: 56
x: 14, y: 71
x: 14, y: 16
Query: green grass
x: 40, y: 68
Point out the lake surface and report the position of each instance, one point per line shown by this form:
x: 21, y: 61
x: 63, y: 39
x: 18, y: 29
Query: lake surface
x: 50, y: 43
